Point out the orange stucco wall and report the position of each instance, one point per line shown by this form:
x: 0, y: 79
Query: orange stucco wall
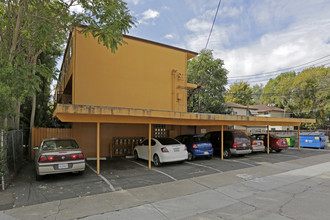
x: 85, y: 134
x: 139, y: 75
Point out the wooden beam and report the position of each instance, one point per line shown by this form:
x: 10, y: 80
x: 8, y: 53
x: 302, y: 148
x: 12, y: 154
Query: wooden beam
x: 221, y: 142
x: 98, y: 147
x: 149, y: 147
x: 267, y: 139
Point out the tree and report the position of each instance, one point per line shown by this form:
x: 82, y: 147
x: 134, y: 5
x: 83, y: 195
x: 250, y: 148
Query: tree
x: 211, y: 75
x: 278, y: 91
x: 240, y: 93
x: 312, y: 96
x: 257, y: 91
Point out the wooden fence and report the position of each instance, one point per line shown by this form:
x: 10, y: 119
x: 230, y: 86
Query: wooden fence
x: 38, y: 134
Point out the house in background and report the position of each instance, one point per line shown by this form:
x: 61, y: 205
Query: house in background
x: 261, y: 110
x: 273, y: 112
x: 237, y: 109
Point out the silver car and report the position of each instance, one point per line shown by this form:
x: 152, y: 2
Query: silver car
x: 257, y: 145
x: 58, y: 156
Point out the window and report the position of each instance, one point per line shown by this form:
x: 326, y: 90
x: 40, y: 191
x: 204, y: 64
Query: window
x: 266, y: 113
x: 71, y: 50
x: 167, y: 141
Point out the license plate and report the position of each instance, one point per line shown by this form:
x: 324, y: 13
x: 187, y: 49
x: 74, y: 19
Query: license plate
x: 63, y: 166
x: 206, y: 153
x: 176, y: 149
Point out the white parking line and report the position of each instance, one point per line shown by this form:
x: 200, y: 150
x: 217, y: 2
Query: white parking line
x: 237, y: 161
x: 103, y: 178
x: 201, y: 165
x: 169, y: 176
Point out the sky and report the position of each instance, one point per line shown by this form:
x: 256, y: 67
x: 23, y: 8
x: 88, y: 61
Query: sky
x: 256, y: 39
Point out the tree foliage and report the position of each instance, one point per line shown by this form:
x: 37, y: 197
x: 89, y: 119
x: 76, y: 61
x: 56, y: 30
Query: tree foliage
x: 257, y: 91
x: 240, y: 93
x: 311, y: 96
x: 211, y: 75
x: 306, y: 94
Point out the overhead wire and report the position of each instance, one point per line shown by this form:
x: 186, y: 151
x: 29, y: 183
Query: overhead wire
x: 285, y: 69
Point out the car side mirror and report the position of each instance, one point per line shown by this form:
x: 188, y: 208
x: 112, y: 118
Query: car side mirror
x: 36, y: 148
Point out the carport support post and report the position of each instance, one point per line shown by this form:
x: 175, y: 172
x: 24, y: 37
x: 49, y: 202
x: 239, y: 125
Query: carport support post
x: 149, y: 146
x: 299, y: 137
x: 221, y: 142
x: 267, y: 139
x: 98, y: 147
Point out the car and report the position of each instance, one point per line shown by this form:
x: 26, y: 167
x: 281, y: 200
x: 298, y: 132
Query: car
x: 58, y: 155
x: 197, y: 146
x: 257, y: 145
x: 163, y: 150
x: 275, y: 143
x: 234, y: 143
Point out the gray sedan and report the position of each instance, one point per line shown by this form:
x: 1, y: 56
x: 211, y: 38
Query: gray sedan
x: 58, y: 156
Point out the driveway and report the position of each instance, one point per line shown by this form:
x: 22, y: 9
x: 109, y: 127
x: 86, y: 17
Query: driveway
x: 122, y: 174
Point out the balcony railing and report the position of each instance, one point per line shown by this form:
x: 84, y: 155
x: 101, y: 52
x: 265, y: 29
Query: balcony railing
x: 62, y: 98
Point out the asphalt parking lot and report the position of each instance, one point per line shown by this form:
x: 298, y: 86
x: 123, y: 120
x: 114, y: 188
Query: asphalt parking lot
x: 122, y: 174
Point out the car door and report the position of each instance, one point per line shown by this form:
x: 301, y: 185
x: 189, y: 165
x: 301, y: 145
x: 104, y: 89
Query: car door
x: 143, y: 150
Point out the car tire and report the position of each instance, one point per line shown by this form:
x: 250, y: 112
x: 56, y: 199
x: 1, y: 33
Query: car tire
x: 157, y: 162
x: 136, y: 156
x: 39, y: 177
x: 81, y: 172
x: 190, y: 156
x: 277, y: 151
x: 226, y: 153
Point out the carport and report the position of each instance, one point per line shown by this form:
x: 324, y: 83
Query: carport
x: 108, y: 115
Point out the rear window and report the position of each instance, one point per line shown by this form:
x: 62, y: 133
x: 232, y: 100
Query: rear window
x: 239, y: 134
x: 59, y: 144
x: 200, y: 139
x: 167, y: 141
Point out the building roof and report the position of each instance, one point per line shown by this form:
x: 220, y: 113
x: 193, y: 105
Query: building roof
x: 235, y: 105
x: 266, y: 108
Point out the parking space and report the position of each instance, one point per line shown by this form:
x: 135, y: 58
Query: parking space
x: 121, y: 174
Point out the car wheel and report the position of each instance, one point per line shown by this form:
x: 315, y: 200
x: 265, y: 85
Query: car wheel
x: 81, y: 172
x: 157, y: 162
x: 38, y: 177
x: 190, y: 156
x: 277, y: 151
x: 226, y: 153
x: 136, y: 156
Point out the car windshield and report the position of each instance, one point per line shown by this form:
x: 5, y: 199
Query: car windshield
x: 167, y: 141
x: 200, y: 139
x: 59, y: 144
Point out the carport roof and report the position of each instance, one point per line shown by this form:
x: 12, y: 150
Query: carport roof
x: 83, y: 113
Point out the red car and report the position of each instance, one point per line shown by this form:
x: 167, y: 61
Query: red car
x: 275, y: 143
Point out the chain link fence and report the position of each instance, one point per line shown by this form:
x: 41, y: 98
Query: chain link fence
x: 11, y: 154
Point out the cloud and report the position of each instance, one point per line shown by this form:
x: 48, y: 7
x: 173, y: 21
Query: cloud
x: 268, y: 36
x: 169, y: 36
x: 134, y: 2
x: 148, y: 15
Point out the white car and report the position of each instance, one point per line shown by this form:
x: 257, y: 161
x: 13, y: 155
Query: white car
x: 163, y: 150
x: 58, y: 156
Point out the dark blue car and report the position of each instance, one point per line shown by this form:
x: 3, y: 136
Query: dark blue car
x: 197, y: 146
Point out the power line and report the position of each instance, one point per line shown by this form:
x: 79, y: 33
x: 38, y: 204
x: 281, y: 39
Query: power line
x: 264, y: 78
x: 215, y: 17
x: 285, y: 69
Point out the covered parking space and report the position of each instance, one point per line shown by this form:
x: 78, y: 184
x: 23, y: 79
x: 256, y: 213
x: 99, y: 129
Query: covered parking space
x: 110, y: 115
